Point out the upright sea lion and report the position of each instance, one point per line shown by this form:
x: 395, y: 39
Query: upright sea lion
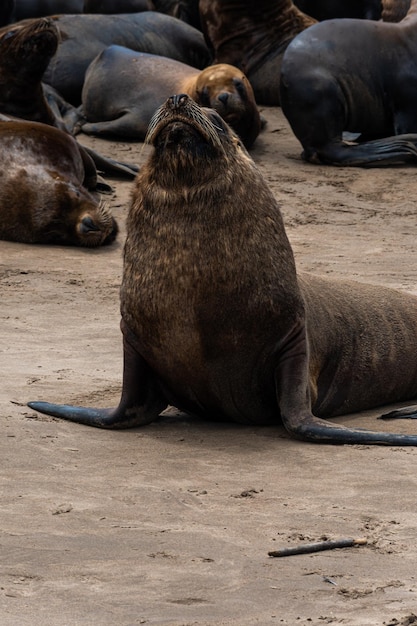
x: 331, y: 9
x: 123, y: 88
x: 85, y: 36
x: 367, y: 84
x: 25, y: 51
x: 43, y: 189
x: 253, y: 36
x: 214, y: 317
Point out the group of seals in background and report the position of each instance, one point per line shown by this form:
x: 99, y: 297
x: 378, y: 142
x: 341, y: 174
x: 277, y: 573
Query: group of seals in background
x: 368, y: 85
x: 254, y: 343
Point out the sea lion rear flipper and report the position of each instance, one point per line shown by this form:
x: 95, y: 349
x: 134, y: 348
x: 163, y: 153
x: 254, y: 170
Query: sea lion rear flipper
x: 379, y: 152
x: 407, y: 412
x: 295, y: 407
x: 140, y: 404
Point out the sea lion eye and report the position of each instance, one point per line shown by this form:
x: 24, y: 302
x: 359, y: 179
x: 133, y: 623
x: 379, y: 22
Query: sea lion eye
x: 240, y: 86
x: 204, y: 98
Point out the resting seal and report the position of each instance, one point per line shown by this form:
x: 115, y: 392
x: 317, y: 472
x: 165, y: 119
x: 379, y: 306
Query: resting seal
x: 123, y: 88
x: 85, y: 36
x: 43, y: 189
x: 367, y: 84
x: 253, y: 36
x: 214, y: 318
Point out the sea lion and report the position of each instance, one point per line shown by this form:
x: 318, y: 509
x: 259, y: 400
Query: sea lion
x: 85, y: 36
x: 43, y: 189
x: 214, y: 318
x: 371, y: 91
x: 123, y: 88
x: 253, y: 36
x: 25, y: 51
x: 330, y: 9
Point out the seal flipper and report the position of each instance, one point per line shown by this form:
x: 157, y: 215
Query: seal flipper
x: 407, y: 412
x: 293, y: 395
x: 394, y: 150
x: 141, y: 402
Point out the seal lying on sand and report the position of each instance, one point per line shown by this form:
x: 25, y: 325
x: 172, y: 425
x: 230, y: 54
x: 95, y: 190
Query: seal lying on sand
x: 123, y: 88
x: 253, y: 36
x: 368, y: 84
x: 85, y: 36
x: 43, y: 189
x: 214, y: 318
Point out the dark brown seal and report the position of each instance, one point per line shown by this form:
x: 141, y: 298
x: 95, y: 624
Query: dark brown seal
x: 123, y: 88
x: 216, y: 321
x: 85, y: 36
x: 117, y: 6
x: 253, y: 36
x: 25, y: 52
x: 43, y: 189
x: 356, y: 76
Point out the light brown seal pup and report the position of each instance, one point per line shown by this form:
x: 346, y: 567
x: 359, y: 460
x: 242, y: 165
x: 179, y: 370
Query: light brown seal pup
x: 43, y: 189
x: 368, y: 84
x: 214, y: 318
x: 253, y: 36
x: 85, y: 36
x: 123, y: 88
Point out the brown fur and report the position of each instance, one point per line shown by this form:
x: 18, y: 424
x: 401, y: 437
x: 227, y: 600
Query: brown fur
x: 253, y: 36
x: 42, y: 194
x: 214, y: 317
x: 123, y: 88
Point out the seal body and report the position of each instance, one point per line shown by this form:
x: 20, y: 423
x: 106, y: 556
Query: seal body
x: 25, y: 51
x: 214, y: 317
x: 123, y: 88
x: 43, y: 189
x: 85, y: 36
x: 357, y: 76
x: 253, y: 36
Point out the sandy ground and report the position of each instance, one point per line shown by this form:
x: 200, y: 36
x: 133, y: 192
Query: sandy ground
x: 172, y: 523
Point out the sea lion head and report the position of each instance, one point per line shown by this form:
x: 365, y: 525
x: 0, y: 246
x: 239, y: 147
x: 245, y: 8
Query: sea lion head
x: 79, y: 220
x: 192, y: 143
x: 95, y: 226
x: 27, y: 47
x: 227, y: 90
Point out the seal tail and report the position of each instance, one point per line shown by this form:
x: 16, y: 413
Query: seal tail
x: 379, y: 152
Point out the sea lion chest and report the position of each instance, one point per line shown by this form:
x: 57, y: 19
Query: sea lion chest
x: 205, y: 309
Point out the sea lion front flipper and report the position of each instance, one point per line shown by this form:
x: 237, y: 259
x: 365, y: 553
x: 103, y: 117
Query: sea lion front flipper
x: 141, y: 401
x: 110, y: 166
x: 407, y: 412
x: 293, y: 396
